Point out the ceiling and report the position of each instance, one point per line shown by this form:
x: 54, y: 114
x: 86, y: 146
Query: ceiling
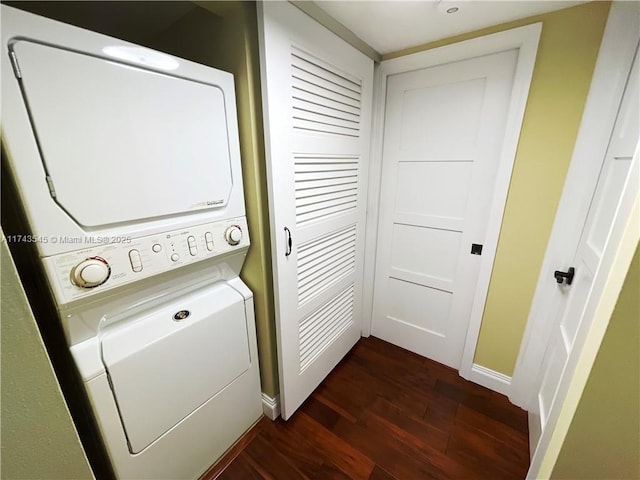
x: 385, y: 25
x: 393, y: 25
x: 134, y: 21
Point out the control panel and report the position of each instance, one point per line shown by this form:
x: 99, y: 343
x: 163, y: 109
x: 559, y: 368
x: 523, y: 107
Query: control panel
x: 101, y: 267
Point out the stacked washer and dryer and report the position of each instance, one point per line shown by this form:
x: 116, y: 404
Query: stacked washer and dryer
x: 128, y: 166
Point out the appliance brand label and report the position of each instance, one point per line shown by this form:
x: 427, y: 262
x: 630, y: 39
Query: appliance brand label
x: 181, y: 315
x: 207, y: 203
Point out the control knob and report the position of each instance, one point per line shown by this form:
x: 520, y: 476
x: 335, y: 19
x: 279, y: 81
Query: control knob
x: 91, y: 272
x: 233, y: 235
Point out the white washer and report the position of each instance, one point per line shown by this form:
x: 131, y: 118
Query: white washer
x: 128, y: 166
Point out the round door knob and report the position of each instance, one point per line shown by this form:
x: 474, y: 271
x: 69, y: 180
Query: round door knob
x: 91, y: 272
x: 233, y: 235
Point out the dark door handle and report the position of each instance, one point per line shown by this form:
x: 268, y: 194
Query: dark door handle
x: 289, y: 241
x: 562, y: 276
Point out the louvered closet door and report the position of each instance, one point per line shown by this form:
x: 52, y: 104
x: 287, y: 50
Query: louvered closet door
x: 317, y: 93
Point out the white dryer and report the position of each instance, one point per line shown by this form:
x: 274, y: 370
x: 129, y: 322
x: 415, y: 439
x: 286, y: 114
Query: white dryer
x: 128, y: 166
x: 170, y: 368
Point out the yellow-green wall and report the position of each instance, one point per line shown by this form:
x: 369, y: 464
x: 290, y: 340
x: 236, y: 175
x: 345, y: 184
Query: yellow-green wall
x: 38, y: 438
x: 241, y: 34
x: 603, y: 441
x: 564, y: 66
x: 229, y: 41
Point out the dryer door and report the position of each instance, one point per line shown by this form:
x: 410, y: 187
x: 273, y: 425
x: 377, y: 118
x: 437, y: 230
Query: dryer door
x: 120, y: 143
x: 170, y: 361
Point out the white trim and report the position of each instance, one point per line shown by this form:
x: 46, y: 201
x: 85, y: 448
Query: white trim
x: 271, y: 406
x: 334, y: 26
x: 373, y: 198
x: 522, y: 38
x: 607, y: 284
x: 525, y: 39
x: 496, y: 381
x: 607, y: 86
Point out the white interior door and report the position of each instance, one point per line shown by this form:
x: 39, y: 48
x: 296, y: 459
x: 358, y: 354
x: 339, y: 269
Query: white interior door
x: 443, y: 136
x: 317, y: 93
x: 573, y: 297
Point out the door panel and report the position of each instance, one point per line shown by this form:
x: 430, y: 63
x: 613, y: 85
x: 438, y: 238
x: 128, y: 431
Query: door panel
x: 444, y: 128
x: 318, y: 94
x: 410, y: 243
x: 325, y: 186
x: 437, y: 191
x: 434, y: 116
x: 569, y: 317
x: 144, y: 372
x: 551, y: 377
x: 187, y: 132
x: 324, y: 262
x: 412, y: 298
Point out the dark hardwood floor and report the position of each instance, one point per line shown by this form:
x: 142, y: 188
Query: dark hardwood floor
x: 383, y: 414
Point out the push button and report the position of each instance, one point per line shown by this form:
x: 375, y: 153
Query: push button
x: 175, y: 257
x: 208, y: 238
x: 193, y: 248
x: 156, y: 247
x: 135, y: 260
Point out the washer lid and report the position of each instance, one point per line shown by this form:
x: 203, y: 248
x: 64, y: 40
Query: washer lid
x: 167, y: 363
x: 122, y: 143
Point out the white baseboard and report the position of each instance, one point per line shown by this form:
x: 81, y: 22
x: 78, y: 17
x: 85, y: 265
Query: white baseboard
x: 496, y: 381
x: 271, y: 406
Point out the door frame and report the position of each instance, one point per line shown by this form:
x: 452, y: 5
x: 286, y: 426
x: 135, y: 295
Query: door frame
x: 617, y: 50
x: 525, y: 39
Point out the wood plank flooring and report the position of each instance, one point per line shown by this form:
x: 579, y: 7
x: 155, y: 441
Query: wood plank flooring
x: 387, y: 414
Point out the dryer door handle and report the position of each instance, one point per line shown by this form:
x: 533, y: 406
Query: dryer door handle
x: 289, y: 241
